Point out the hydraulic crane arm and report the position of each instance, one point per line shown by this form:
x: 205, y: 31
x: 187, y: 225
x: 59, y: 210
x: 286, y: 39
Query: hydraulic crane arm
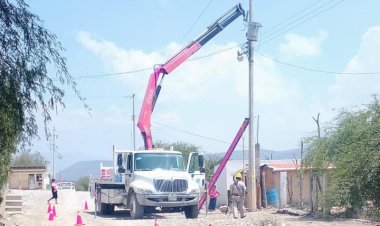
x: 153, y: 89
x: 224, y: 161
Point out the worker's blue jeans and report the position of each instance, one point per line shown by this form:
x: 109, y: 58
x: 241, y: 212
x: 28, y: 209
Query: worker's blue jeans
x: 212, y: 204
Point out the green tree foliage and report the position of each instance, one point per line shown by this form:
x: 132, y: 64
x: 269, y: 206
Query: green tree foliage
x: 27, y: 51
x: 182, y: 147
x: 211, y: 161
x: 351, y: 143
x: 82, y: 184
x: 27, y: 158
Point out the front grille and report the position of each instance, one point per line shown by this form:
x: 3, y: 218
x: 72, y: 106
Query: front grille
x: 178, y: 185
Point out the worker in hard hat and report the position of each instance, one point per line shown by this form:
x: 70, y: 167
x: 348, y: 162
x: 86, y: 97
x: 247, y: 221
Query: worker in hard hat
x: 238, y: 189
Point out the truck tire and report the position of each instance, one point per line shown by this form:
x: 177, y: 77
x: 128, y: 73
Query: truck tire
x: 135, y: 209
x: 110, y: 209
x: 103, y: 208
x: 191, y: 212
x: 149, y: 209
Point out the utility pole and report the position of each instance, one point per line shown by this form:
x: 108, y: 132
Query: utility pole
x: 53, y: 151
x: 251, y: 38
x: 133, y: 121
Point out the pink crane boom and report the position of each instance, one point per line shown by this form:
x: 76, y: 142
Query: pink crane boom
x: 153, y: 89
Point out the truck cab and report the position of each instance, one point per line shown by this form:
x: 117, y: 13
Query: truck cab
x: 146, y: 179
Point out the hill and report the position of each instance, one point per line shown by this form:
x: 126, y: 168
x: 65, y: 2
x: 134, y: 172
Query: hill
x: 82, y: 169
x: 85, y: 168
x: 267, y: 154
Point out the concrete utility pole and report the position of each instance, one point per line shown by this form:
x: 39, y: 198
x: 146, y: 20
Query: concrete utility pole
x: 133, y: 120
x: 53, y: 151
x: 251, y: 37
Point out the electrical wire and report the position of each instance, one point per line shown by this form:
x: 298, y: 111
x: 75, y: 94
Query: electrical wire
x: 294, y: 15
x: 313, y: 69
x: 277, y: 34
x: 191, y: 133
x: 196, y: 20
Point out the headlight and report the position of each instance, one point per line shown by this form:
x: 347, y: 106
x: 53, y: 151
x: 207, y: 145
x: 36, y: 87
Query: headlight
x: 144, y: 191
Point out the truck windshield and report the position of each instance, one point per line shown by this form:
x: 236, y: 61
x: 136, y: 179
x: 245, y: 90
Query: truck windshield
x: 158, y: 161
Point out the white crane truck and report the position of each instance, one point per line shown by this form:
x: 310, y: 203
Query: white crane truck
x: 150, y: 178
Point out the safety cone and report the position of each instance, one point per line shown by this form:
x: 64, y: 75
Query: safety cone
x: 85, y: 205
x: 156, y: 222
x: 51, y: 216
x: 79, y: 219
x: 49, y: 208
x: 54, y: 213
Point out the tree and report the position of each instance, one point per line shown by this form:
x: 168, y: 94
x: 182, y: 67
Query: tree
x: 82, y: 184
x: 350, y: 144
x: 27, y: 52
x: 182, y: 147
x: 26, y: 158
x: 212, y: 160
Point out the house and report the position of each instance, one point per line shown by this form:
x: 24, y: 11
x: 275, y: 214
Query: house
x: 226, y: 178
x: 28, y: 177
x: 271, y: 171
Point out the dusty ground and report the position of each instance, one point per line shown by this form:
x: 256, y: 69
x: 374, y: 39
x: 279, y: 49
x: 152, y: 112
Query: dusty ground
x: 35, y: 213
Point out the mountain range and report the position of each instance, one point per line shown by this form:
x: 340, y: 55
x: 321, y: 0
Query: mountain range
x: 86, y: 168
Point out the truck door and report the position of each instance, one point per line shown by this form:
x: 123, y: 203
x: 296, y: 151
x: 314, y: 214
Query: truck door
x: 129, y: 171
x: 196, y: 168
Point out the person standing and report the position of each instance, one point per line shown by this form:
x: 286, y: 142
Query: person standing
x: 54, y: 191
x: 213, y: 196
x: 238, y: 189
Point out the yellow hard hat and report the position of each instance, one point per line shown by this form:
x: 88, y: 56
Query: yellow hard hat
x: 238, y: 175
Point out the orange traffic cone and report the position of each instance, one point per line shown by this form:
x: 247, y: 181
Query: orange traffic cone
x: 51, y: 216
x: 85, y: 205
x: 54, y: 213
x: 49, y: 208
x: 156, y: 222
x: 79, y: 219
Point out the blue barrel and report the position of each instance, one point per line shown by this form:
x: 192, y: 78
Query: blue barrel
x: 272, y: 197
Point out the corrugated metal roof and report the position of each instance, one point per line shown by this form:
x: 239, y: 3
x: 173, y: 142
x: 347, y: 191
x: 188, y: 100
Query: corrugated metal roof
x: 282, y: 165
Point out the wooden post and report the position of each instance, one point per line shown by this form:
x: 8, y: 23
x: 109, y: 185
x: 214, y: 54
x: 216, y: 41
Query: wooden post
x: 311, y: 192
x: 263, y: 190
x: 324, y: 186
x: 301, y: 175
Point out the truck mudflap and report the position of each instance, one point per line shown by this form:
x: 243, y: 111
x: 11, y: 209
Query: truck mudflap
x: 167, y: 200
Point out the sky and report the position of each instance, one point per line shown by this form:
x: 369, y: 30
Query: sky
x: 311, y: 57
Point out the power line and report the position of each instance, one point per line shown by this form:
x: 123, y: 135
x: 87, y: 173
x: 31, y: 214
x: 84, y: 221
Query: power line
x: 273, y: 34
x: 315, y: 70
x: 111, y: 74
x: 294, y: 15
x: 196, y: 20
x: 190, y: 133
x: 277, y: 34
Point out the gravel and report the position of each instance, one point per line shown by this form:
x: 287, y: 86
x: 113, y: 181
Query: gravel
x: 70, y: 202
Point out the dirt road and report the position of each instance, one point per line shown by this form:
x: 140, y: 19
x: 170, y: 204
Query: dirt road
x: 69, y: 203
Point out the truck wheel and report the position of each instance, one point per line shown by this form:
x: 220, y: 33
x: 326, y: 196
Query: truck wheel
x: 110, y: 209
x: 136, y: 210
x: 103, y: 208
x: 149, y: 209
x: 191, y: 212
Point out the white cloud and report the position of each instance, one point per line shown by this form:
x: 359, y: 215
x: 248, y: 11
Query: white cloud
x: 299, y: 46
x: 211, y: 92
x: 350, y: 90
